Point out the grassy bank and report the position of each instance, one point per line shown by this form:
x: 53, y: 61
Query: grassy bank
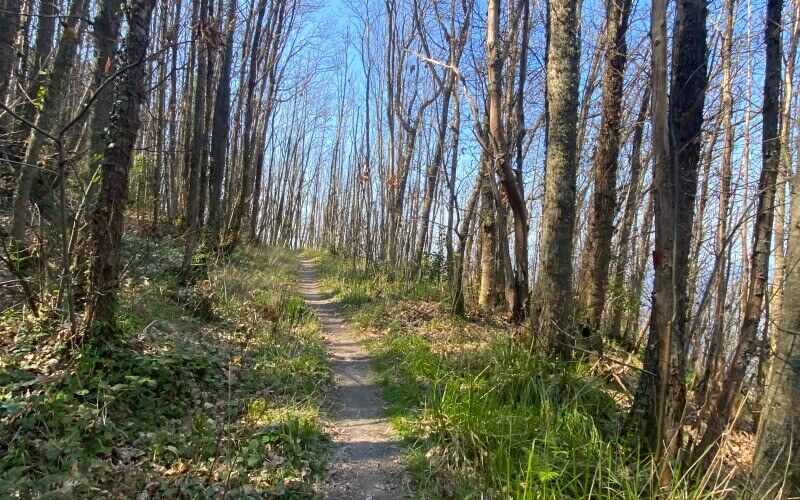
x: 211, y: 390
x: 480, y: 415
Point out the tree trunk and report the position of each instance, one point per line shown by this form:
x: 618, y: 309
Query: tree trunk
x: 554, y: 289
x: 451, y: 190
x: 594, y: 278
x: 459, y: 268
x: 715, y: 356
x: 784, y: 173
x: 194, y: 157
x: 661, y: 395
x: 46, y: 120
x: 106, y: 34
x: 500, y: 151
x: 10, y: 12
x: 173, y: 205
x: 159, y: 169
x: 777, y: 456
x: 220, y: 130
x: 246, y: 187
x: 620, y: 305
x: 107, y: 219
x: 36, y: 76
x: 432, y: 175
x: 488, y: 294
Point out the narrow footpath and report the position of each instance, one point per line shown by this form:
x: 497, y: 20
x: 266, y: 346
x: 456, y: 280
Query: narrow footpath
x: 366, y: 464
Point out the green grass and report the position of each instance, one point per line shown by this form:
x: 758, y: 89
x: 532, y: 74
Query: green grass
x: 499, y: 421
x: 181, y: 404
x: 481, y: 416
x: 356, y: 286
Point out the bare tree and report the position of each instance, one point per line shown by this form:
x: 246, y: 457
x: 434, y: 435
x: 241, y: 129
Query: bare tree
x: 554, y: 301
x: 594, y: 276
x: 716, y: 348
x: 762, y: 229
x: 107, y: 219
x: 677, y: 121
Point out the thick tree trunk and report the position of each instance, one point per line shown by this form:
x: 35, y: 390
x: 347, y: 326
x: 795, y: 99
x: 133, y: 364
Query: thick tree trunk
x: 554, y: 296
x: 107, y: 218
x: 488, y: 293
x: 106, y: 35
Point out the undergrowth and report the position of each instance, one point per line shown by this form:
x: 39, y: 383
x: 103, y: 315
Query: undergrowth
x: 209, y: 391
x: 482, y: 417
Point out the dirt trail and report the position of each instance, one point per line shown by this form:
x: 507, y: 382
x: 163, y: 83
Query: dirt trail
x: 366, y: 464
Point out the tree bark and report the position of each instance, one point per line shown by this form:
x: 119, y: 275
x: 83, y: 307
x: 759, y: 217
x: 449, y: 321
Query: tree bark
x: 592, y: 289
x: 554, y: 290
x: 619, y: 306
x: 47, y: 120
x: 246, y: 188
x: 36, y: 76
x: 220, y: 131
x: 194, y: 157
x: 462, y: 232
x: 106, y: 35
x: 715, y: 356
x: 778, y: 440
x: 661, y: 394
x: 500, y: 151
x: 432, y: 175
x: 488, y: 293
x: 107, y: 219
x: 10, y: 12
x: 784, y: 172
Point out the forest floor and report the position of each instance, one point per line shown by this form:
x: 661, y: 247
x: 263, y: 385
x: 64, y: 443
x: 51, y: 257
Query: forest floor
x: 213, y: 390
x: 366, y: 464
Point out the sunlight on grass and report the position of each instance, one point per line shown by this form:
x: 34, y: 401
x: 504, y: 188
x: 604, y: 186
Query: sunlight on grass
x: 479, y: 414
x: 182, y: 405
